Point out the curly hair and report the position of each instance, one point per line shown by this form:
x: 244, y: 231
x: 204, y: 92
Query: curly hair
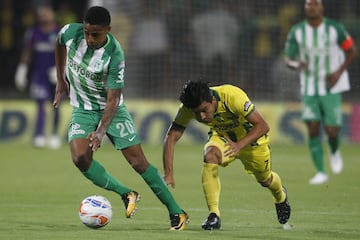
x: 194, y: 93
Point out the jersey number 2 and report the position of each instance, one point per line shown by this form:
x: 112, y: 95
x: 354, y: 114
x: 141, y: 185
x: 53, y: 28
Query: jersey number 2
x: 125, y: 128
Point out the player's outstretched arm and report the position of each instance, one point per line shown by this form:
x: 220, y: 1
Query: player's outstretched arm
x: 172, y: 136
x: 62, y: 86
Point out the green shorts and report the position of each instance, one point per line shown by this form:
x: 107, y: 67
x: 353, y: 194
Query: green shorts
x: 121, y: 132
x: 322, y: 108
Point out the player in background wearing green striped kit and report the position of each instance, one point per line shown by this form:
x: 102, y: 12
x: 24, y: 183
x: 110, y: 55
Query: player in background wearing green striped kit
x: 90, y: 69
x: 321, y: 50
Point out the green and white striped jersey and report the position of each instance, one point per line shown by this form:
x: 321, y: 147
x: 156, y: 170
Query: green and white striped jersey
x: 91, y: 71
x: 322, y: 48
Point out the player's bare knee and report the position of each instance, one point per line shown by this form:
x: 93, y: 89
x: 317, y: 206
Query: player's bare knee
x: 81, y: 162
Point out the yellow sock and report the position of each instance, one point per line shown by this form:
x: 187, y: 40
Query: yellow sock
x: 211, y: 186
x: 276, y: 188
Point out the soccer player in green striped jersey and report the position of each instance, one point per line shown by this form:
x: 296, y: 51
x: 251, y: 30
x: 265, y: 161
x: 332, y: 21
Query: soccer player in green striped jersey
x: 90, y: 69
x: 321, y: 50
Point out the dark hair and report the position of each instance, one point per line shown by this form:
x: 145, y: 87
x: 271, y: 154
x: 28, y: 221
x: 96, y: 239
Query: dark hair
x: 97, y: 15
x: 194, y: 93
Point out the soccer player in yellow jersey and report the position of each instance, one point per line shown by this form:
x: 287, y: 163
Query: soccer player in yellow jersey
x: 237, y: 131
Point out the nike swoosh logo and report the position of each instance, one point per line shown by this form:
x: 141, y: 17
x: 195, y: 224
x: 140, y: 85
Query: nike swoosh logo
x: 132, y: 138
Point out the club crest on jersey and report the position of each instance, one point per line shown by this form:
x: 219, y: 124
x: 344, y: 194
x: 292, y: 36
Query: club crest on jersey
x: 219, y: 118
x: 98, y: 65
x: 247, y: 106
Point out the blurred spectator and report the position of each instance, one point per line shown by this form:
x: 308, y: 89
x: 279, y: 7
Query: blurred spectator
x: 38, y: 56
x: 150, y: 42
x: 65, y: 14
x: 8, y: 24
x: 215, y: 33
x: 265, y: 35
x: 288, y: 14
x: 183, y: 62
x: 121, y: 26
x: 243, y: 10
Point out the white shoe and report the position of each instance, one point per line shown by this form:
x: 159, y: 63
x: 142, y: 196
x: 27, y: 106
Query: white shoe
x: 39, y: 141
x: 54, y: 142
x: 336, y: 162
x: 319, y: 178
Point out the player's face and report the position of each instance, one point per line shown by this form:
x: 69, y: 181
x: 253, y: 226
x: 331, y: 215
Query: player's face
x: 95, y: 35
x: 45, y: 15
x: 205, y: 111
x: 314, y: 9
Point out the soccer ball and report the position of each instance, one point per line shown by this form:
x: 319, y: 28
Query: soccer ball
x: 95, y: 211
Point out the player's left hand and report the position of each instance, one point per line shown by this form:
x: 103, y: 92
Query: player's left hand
x: 169, y: 180
x: 332, y: 79
x: 233, y: 149
x: 95, y: 140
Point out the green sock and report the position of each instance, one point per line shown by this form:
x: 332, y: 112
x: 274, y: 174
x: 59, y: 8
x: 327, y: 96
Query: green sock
x: 100, y: 177
x: 158, y: 186
x: 334, y: 144
x: 317, y: 153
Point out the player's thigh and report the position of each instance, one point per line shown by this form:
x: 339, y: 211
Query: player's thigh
x: 257, y: 161
x: 122, y: 131
x: 219, y: 142
x: 82, y: 123
x: 332, y: 109
x: 311, y: 109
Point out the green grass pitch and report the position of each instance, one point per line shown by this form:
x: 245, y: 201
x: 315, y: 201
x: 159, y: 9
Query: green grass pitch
x: 40, y: 192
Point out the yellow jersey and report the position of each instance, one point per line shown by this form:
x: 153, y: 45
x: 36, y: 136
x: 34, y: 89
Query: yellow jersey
x: 230, y: 117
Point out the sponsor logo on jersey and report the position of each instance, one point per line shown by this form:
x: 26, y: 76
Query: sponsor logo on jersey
x: 226, y: 127
x: 83, y: 72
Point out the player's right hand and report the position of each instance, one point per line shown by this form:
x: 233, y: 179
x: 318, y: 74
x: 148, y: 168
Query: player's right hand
x: 169, y: 180
x: 61, y: 87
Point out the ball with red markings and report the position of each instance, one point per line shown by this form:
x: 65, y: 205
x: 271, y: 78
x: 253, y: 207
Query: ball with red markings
x: 95, y: 211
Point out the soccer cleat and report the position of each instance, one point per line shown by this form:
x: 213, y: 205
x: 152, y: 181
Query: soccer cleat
x: 130, y: 200
x: 283, y: 209
x: 212, y: 222
x: 178, y: 221
x: 319, y: 178
x: 336, y: 162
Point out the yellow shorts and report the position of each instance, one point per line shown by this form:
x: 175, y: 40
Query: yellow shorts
x: 256, y: 159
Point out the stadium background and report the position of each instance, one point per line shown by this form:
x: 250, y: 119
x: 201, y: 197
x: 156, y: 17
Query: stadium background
x: 166, y: 42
